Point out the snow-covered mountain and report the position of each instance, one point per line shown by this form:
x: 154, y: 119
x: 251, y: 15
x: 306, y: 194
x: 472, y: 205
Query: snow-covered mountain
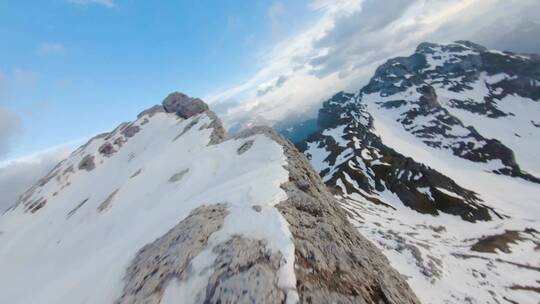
x: 436, y: 161
x: 168, y: 209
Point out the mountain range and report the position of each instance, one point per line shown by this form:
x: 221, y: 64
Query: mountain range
x: 436, y: 161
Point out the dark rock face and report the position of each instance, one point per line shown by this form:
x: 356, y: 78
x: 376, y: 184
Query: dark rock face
x: 184, y: 105
x: 333, y: 262
x: 107, y: 202
x: 244, y: 147
x: 87, y: 163
x: 363, y: 165
x: 35, y: 205
x: 106, y: 149
x: 131, y: 130
x: 502, y: 241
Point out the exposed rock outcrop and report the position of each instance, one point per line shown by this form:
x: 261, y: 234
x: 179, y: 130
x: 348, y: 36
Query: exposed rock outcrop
x: 245, y: 272
x: 184, y: 105
x: 169, y: 256
x: 334, y: 263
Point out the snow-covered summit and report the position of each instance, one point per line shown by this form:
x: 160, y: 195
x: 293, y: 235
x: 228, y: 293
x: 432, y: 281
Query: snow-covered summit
x: 457, y: 96
x: 167, y: 209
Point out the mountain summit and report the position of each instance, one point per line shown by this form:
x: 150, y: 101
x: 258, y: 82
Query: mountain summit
x: 168, y: 209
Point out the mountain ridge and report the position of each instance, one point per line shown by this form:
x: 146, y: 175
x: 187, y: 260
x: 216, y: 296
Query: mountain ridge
x: 168, y: 208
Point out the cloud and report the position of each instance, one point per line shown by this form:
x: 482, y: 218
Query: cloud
x: 10, y: 126
x: 341, y: 50
x: 45, y: 49
x: 514, y: 26
x: 105, y: 3
x: 20, y: 174
x: 280, y: 81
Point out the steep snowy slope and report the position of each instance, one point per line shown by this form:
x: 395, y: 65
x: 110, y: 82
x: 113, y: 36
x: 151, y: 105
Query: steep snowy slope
x: 165, y: 209
x: 436, y: 161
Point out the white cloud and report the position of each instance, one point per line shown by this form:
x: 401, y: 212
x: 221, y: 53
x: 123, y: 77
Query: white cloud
x: 106, y: 3
x: 17, y: 175
x: 51, y: 49
x: 351, y: 38
x: 10, y: 126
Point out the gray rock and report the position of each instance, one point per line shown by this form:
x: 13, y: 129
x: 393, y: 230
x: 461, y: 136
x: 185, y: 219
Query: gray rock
x: 131, y: 130
x: 178, y: 176
x: 120, y: 141
x: 169, y: 256
x: 191, y: 107
x: 136, y: 173
x: 36, y: 205
x: 244, y: 147
x: 219, y: 134
x: 106, y: 149
x: 245, y: 272
x: 72, y: 212
x: 107, y: 202
x: 184, y: 105
x: 87, y: 163
x: 151, y: 111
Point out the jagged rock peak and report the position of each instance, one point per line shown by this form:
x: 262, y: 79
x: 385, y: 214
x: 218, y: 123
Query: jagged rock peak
x: 184, y: 105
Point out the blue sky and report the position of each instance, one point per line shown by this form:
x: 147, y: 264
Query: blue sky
x: 70, y: 69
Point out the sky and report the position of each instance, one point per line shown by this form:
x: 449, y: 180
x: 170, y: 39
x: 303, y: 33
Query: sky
x: 70, y: 69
